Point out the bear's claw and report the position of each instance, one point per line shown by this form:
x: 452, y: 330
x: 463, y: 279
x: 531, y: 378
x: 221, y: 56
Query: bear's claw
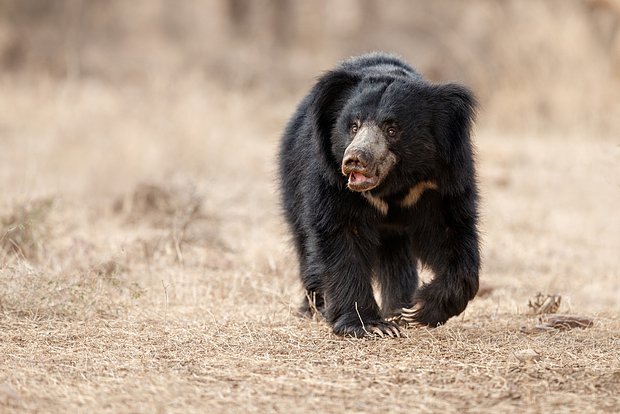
x: 390, y: 329
x: 407, y: 316
x: 379, y: 328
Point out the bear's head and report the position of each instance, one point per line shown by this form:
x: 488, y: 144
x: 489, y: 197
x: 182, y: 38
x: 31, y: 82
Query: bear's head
x: 386, y: 133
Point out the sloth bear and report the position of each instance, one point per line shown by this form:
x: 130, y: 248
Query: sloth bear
x: 377, y: 174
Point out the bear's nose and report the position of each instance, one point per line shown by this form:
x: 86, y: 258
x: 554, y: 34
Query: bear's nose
x: 355, y: 160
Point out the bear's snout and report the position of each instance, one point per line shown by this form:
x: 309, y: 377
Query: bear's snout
x: 367, y: 159
x: 368, y: 145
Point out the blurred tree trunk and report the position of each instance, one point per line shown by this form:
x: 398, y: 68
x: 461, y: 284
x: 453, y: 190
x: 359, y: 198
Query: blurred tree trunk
x: 604, y: 16
x: 238, y: 12
x: 73, y: 36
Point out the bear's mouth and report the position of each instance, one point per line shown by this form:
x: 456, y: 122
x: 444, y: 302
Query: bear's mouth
x: 361, y: 182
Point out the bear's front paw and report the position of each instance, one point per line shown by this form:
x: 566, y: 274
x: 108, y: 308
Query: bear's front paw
x: 420, y: 314
x: 404, y: 316
x: 426, y: 315
x: 433, y: 307
x: 348, y: 326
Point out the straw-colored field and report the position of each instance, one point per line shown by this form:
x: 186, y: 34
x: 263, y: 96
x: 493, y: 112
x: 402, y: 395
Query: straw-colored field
x: 144, y: 267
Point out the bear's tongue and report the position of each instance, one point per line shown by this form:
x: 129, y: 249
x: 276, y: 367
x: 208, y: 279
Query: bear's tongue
x: 358, y: 178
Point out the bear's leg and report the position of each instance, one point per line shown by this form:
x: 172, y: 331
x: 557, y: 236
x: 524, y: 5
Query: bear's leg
x: 350, y: 306
x: 446, y: 296
x: 313, y: 301
x: 396, y: 274
x: 452, y: 252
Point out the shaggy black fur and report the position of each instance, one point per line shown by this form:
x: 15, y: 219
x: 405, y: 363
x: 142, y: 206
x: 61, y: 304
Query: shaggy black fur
x: 377, y: 174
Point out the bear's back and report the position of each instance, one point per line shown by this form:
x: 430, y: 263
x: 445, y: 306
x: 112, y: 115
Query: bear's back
x: 380, y: 65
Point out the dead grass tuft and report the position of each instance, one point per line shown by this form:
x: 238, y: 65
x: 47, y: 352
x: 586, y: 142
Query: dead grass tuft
x: 541, y: 303
x: 175, y: 212
x: 25, y: 231
x: 160, y: 205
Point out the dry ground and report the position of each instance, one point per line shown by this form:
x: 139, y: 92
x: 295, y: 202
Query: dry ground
x: 144, y: 267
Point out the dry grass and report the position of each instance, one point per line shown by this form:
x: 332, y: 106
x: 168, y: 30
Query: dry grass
x: 145, y: 268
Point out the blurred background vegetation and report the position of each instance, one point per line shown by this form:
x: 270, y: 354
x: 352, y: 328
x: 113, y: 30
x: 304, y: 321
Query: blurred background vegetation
x: 535, y: 65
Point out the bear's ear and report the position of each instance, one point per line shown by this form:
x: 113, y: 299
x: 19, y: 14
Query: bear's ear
x: 327, y: 99
x: 454, y: 113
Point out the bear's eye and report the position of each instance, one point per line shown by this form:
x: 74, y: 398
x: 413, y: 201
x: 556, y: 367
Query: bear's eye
x: 391, y: 131
x: 354, y: 128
